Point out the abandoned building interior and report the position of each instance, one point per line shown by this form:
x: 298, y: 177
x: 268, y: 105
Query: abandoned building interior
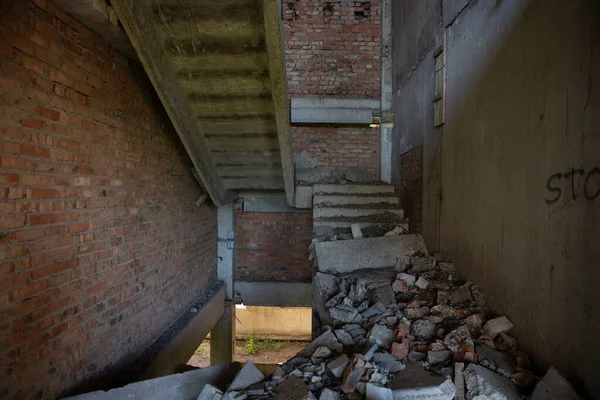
x: 408, y: 191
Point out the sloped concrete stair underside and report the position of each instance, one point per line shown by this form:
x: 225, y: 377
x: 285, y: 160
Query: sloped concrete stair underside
x: 218, y: 68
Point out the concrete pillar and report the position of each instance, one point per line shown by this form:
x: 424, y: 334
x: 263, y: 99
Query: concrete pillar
x: 387, y: 122
x: 222, y: 336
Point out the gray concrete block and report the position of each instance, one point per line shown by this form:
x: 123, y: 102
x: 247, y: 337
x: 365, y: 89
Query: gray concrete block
x: 351, y: 255
x: 358, y: 175
x: 310, y: 175
x: 554, y: 386
x: 327, y: 339
x: 417, y: 383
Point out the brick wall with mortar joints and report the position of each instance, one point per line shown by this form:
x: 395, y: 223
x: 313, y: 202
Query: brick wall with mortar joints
x: 411, y: 189
x: 273, y: 246
x: 101, y: 245
x: 333, y: 50
x: 337, y: 149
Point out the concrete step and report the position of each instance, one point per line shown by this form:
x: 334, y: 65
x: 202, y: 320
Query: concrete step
x: 330, y: 212
x: 362, y: 225
x: 353, y: 189
x: 337, y: 200
x: 345, y: 256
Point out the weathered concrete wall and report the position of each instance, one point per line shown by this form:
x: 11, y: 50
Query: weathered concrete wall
x: 274, y: 322
x: 518, y: 166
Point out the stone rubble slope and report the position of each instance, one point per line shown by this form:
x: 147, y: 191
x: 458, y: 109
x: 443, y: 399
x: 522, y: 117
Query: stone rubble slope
x: 418, y: 331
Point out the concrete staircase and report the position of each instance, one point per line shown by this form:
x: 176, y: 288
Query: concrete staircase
x: 218, y: 68
x: 375, y: 209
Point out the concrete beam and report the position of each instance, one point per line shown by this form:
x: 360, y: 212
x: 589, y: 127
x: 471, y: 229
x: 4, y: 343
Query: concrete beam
x: 95, y: 15
x: 181, y: 348
x: 335, y: 111
x: 275, y: 294
x: 275, y: 49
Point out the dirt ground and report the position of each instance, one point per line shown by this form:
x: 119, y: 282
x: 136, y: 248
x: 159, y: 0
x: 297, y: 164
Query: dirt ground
x: 267, y: 352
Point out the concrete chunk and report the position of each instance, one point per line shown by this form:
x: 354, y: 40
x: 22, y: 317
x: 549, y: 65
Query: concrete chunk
x: 417, y: 383
x: 554, y: 386
x: 387, y: 362
x: 496, y: 326
x: 484, y: 384
x: 328, y: 394
x: 338, y: 365
x: 381, y: 252
x: 248, y: 375
x: 356, y: 232
x: 210, y: 393
x: 292, y: 388
x: 459, y: 381
x: 381, y: 336
x: 303, y: 160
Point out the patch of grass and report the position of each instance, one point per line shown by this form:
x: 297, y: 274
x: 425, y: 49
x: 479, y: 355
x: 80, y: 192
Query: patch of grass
x: 250, y: 344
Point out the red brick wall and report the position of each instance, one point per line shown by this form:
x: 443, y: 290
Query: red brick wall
x: 411, y: 187
x: 101, y: 246
x: 333, y: 48
x: 273, y: 246
x: 337, y: 149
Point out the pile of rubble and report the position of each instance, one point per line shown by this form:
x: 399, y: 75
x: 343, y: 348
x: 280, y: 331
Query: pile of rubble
x: 415, y: 331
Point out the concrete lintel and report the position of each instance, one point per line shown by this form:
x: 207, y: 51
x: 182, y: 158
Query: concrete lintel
x: 275, y: 294
x: 94, y: 15
x: 349, y: 116
x: 184, y: 344
x: 269, y: 204
x: 312, y: 103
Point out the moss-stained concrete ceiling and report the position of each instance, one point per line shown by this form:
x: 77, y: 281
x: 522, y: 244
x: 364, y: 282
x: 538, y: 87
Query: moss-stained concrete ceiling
x: 218, y: 68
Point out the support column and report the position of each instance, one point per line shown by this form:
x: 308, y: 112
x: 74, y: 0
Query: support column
x: 222, y: 336
x: 387, y: 119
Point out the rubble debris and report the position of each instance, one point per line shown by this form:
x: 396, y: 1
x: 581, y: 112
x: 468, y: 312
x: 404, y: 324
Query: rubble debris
x: 496, y: 326
x: 328, y: 394
x: 554, y: 386
x: 484, y: 384
x: 386, y: 334
x: 303, y: 160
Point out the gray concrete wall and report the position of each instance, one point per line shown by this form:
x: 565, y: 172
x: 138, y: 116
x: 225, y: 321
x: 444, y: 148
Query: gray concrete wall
x: 518, y: 165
